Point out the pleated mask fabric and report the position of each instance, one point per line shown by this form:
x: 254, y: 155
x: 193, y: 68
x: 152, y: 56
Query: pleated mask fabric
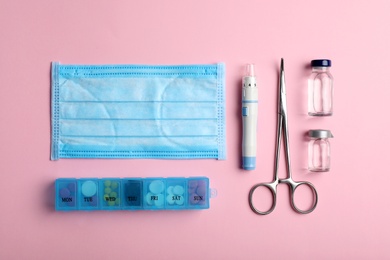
x: 138, y: 111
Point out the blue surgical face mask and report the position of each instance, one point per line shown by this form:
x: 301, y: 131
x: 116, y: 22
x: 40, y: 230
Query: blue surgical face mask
x: 138, y: 111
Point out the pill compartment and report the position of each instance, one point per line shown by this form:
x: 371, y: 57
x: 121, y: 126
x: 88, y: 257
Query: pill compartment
x: 132, y: 190
x: 110, y: 192
x: 154, y: 193
x: 88, y: 190
x: 198, y: 193
x: 176, y: 193
x: 66, y: 190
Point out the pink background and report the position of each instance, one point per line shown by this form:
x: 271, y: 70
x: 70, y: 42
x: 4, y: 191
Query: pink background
x: 352, y: 217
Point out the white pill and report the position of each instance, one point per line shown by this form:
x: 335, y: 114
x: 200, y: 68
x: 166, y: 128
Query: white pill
x: 89, y: 188
x: 192, y: 184
x: 181, y: 201
x: 170, y: 199
x: 170, y: 190
x: 178, y: 190
x: 156, y: 187
x: 148, y: 199
x: 160, y: 200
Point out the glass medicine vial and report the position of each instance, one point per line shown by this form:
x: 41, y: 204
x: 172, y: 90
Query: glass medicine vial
x: 319, y: 150
x: 320, y: 95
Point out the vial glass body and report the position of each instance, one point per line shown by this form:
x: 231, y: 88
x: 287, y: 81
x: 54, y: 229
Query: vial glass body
x: 320, y: 92
x: 319, y: 155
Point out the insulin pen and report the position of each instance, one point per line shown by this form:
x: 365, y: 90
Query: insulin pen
x: 249, y: 118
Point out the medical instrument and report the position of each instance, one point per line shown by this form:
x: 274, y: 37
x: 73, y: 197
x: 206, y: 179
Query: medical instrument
x: 138, y: 111
x: 319, y: 150
x: 320, y: 89
x: 249, y: 118
x: 132, y: 194
x: 282, y: 128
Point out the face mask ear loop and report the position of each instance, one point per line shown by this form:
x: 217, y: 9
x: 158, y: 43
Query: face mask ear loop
x: 221, y: 111
x: 55, y: 110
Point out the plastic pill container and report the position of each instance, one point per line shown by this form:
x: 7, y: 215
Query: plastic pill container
x: 132, y: 194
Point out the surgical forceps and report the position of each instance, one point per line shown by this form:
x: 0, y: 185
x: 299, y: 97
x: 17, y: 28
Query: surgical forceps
x: 282, y: 127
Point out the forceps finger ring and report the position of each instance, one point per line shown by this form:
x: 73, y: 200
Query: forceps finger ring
x: 271, y: 187
x: 293, y: 188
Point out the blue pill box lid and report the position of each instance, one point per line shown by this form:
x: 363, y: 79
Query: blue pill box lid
x: 88, y: 194
x: 176, y: 195
x: 132, y: 193
x: 199, y: 193
x: 66, y: 194
x: 154, y: 193
x: 110, y: 193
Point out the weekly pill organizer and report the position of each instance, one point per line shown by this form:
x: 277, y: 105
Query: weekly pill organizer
x: 132, y: 194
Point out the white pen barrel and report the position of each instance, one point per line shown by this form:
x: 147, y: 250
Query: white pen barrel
x: 249, y: 123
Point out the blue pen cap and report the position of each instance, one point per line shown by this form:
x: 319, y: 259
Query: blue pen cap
x: 321, y: 63
x: 248, y: 163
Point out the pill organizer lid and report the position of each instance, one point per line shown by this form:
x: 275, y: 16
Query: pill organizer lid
x: 320, y: 133
x: 321, y: 63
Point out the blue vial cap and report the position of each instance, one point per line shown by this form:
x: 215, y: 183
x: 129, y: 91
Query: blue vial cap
x: 321, y: 63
